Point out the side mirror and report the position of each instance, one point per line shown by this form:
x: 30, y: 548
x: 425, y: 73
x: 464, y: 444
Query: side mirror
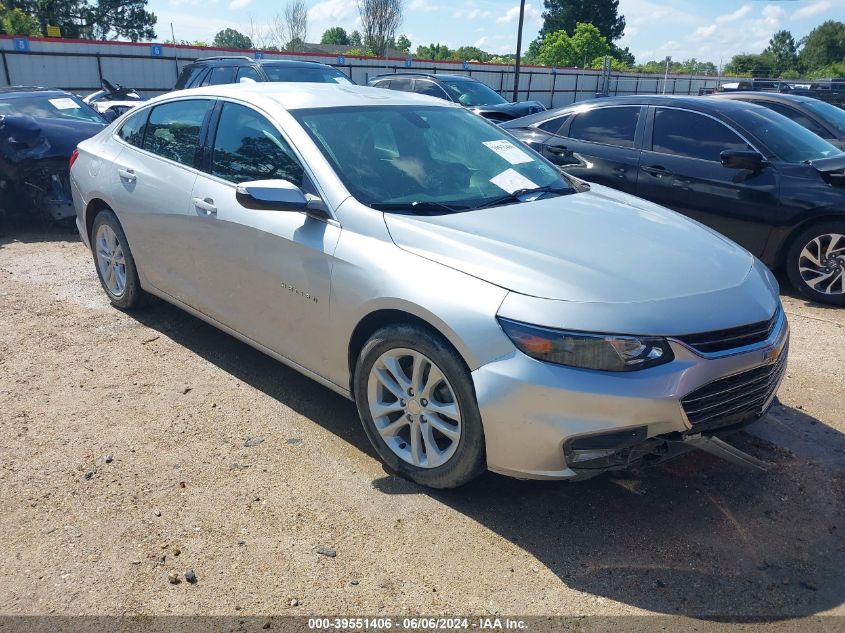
x: 741, y: 159
x: 267, y: 195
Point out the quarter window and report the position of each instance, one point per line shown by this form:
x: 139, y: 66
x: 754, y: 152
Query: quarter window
x: 248, y: 147
x: 133, y: 130
x: 611, y: 126
x: 401, y: 84
x: 429, y: 88
x: 553, y: 126
x: 249, y: 72
x: 693, y: 135
x: 173, y: 130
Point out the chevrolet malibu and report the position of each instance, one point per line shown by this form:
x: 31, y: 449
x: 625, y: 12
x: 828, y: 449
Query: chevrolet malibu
x: 483, y: 310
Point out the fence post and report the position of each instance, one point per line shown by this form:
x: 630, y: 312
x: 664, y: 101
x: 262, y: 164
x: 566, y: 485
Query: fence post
x: 6, y: 69
x: 99, y: 68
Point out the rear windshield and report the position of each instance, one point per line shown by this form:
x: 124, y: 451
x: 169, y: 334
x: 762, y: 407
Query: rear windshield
x: 50, y: 106
x: 789, y: 141
x: 317, y: 74
x: 830, y: 114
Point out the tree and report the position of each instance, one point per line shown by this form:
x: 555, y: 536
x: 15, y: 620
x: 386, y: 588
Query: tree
x: 403, y: 44
x: 472, y: 53
x: 16, y: 22
x: 295, y: 25
x: 566, y: 14
x: 585, y: 45
x: 355, y: 39
x: 784, y: 52
x: 824, y: 46
x: 84, y: 19
x: 230, y: 38
x: 335, y: 35
x: 749, y: 65
x: 379, y: 20
x: 624, y: 55
x: 436, y: 52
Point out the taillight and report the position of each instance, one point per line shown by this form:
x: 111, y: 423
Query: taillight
x: 73, y: 156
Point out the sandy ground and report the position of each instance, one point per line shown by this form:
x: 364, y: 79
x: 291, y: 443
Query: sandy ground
x: 124, y: 460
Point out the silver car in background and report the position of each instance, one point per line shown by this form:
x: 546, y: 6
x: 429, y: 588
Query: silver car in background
x: 483, y: 310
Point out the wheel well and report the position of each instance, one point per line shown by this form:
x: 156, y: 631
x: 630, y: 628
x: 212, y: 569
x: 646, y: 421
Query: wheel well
x: 94, y: 207
x: 382, y: 318
x: 790, y: 239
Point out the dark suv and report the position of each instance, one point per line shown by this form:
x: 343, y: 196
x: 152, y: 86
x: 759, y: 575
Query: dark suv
x: 470, y: 93
x: 210, y: 71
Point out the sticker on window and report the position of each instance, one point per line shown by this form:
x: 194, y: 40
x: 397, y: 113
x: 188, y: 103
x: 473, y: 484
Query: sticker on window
x: 508, y: 151
x: 511, y: 180
x: 64, y: 103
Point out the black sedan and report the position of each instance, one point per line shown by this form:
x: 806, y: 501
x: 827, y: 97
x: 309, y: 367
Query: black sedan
x: 39, y: 129
x: 470, y: 93
x: 819, y: 117
x: 750, y: 173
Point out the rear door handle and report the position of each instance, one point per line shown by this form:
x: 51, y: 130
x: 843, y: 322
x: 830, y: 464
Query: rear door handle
x: 657, y: 170
x: 127, y: 174
x: 206, y: 205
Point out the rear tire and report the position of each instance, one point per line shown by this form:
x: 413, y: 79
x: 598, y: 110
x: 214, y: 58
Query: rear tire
x: 417, y: 404
x: 815, y: 262
x: 114, y: 262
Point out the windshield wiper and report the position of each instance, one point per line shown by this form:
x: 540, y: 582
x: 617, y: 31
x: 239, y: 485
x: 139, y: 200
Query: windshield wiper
x: 418, y: 206
x: 516, y: 196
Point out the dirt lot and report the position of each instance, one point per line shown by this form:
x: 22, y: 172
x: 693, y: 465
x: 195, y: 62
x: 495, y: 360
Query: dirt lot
x: 124, y: 459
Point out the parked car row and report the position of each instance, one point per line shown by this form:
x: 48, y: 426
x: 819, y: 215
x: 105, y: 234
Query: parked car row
x: 484, y: 309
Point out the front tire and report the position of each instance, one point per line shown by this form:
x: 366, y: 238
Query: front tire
x: 417, y: 404
x: 815, y: 263
x: 114, y: 262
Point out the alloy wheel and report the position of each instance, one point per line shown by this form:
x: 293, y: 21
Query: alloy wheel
x: 822, y: 264
x: 414, y: 408
x: 111, y: 260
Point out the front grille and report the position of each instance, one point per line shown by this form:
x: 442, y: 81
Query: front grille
x: 734, y: 399
x: 731, y: 338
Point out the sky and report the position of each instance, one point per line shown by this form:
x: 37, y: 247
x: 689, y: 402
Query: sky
x: 711, y: 30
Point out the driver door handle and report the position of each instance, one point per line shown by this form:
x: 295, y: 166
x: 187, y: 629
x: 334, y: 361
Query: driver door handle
x: 127, y: 174
x: 206, y: 205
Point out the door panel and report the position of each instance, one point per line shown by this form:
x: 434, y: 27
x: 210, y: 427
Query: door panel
x: 266, y: 274
x: 684, y: 173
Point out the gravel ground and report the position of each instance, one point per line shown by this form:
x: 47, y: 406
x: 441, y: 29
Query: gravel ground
x: 139, y: 446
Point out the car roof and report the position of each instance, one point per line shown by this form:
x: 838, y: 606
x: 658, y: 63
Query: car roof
x: 299, y: 95
x: 248, y: 61
x: 425, y: 75
x: 22, y: 91
x: 770, y: 96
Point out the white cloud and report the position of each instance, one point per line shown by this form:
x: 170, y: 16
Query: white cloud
x: 812, y: 9
x: 512, y: 15
x: 472, y: 14
x: 239, y: 4
x: 327, y: 10
x: 416, y: 5
x: 706, y: 31
x: 481, y: 41
x: 736, y: 15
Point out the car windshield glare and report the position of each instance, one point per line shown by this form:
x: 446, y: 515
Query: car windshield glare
x: 425, y: 158
x: 788, y: 140
x: 300, y: 74
x: 829, y: 113
x: 55, y: 106
x: 472, y: 93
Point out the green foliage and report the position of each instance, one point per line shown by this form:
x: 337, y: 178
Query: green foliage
x: 579, y: 49
x: 832, y: 71
x: 355, y: 39
x: 790, y: 74
x: 565, y: 15
x: 403, y: 44
x: 16, y: 22
x: 230, y: 38
x: 824, y: 46
x: 335, y: 35
x: 784, y: 53
x: 437, y: 52
x: 83, y: 19
x: 750, y: 65
x: 471, y: 53
x: 616, y: 65
x: 686, y: 67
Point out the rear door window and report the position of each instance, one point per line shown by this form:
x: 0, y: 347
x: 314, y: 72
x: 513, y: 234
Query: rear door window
x: 220, y: 75
x: 430, y: 89
x: 693, y: 135
x: 610, y: 126
x: 173, y: 130
x: 190, y: 75
x: 400, y: 83
x: 247, y: 72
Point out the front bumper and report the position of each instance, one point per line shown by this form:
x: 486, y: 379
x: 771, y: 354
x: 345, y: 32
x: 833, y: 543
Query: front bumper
x: 533, y: 411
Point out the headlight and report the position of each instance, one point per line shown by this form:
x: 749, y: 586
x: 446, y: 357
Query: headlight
x: 606, y: 352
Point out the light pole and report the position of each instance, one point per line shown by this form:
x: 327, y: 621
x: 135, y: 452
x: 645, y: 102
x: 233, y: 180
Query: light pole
x: 518, y: 51
x: 666, y: 76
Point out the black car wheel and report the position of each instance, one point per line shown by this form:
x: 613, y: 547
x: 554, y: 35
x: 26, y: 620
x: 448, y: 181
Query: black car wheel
x: 816, y: 263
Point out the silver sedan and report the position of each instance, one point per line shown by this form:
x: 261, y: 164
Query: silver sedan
x: 483, y: 310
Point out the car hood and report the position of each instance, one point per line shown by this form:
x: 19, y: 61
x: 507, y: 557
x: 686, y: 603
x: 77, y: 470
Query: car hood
x: 510, y: 110
x: 597, y: 246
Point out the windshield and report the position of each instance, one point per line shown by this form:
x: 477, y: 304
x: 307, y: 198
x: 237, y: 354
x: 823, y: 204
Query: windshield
x: 788, y: 140
x: 55, y: 106
x: 830, y: 114
x: 392, y: 156
x: 472, y: 93
x: 317, y: 74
